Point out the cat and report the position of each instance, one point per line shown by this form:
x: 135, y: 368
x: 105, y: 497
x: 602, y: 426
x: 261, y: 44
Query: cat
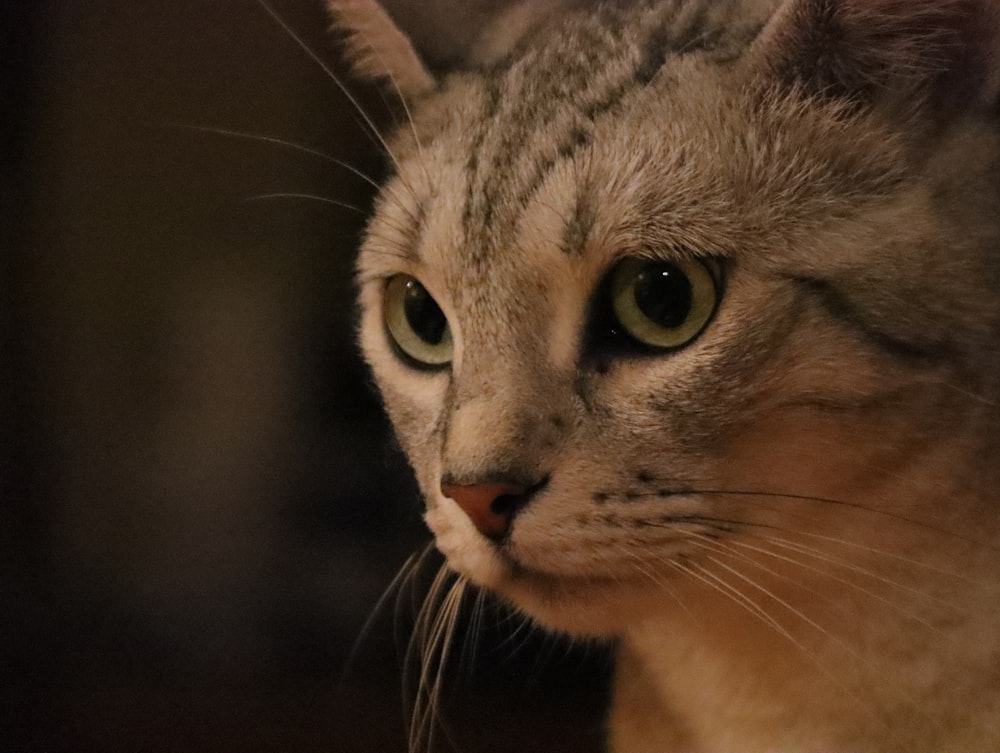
x: 686, y: 315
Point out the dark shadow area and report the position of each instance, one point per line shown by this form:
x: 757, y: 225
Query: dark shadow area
x: 200, y: 501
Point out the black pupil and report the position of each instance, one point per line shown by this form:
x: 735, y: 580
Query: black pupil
x: 663, y: 293
x: 423, y: 314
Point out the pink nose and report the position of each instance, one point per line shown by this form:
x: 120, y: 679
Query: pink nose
x: 490, y: 507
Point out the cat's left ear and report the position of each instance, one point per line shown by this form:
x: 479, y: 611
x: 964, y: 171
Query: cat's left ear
x: 377, y: 49
x: 906, y: 55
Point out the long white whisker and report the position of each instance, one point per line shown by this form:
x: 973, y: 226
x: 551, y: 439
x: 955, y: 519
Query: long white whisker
x: 882, y: 553
x: 419, y: 648
x: 751, y: 606
x: 405, y: 573
x: 784, y: 603
x: 279, y: 142
x: 307, y: 197
x: 845, y: 504
x: 409, y: 588
x: 966, y: 393
x: 333, y: 77
x: 815, y: 554
x: 653, y: 577
x: 435, y: 659
x: 738, y: 597
x: 470, y: 642
x: 406, y: 110
x: 522, y: 632
x: 830, y: 576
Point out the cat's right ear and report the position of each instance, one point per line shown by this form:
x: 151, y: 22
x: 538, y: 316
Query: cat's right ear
x: 440, y: 35
x: 909, y: 54
x: 377, y: 49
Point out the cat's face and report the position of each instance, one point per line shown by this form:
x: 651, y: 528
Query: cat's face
x: 686, y: 311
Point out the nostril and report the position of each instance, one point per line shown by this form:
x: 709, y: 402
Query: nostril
x: 506, y: 504
x: 509, y: 504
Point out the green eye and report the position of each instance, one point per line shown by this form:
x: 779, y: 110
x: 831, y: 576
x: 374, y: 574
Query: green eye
x: 663, y: 304
x: 415, y: 322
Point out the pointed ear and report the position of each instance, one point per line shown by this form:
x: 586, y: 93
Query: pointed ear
x: 377, y: 49
x: 906, y: 54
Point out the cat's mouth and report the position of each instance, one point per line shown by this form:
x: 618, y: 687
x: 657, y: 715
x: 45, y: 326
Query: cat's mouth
x: 520, y: 570
x: 497, y: 561
x: 499, y: 537
x: 581, y: 602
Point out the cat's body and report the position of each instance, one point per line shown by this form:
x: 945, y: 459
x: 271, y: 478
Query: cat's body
x: 781, y: 497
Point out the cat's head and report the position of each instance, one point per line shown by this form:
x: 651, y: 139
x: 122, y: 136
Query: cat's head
x: 655, y: 281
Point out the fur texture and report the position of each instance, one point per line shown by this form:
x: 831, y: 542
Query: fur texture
x: 789, y: 523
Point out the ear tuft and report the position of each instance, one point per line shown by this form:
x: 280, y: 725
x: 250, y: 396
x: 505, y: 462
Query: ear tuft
x: 872, y: 50
x: 377, y: 49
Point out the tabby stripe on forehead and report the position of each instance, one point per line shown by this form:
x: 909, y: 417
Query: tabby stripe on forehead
x: 413, y: 230
x: 651, y: 61
x: 576, y: 138
x: 526, y: 116
x: 502, y: 172
x: 492, y: 99
x: 493, y: 198
x: 580, y: 223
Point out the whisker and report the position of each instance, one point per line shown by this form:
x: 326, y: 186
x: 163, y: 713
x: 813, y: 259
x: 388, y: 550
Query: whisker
x: 419, y: 649
x: 829, y: 559
x: 435, y: 659
x: 406, y: 110
x: 831, y: 539
x: 387, y: 190
x: 278, y: 142
x: 852, y: 650
x: 409, y: 588
x: 835, y: 578
x: 728, y: 548
x: 784, y: 603
x: 738, y: 597
x: 402, y: 576
x: 363, y: 277
x: 719, y: 584
x: 522, y: 633
x: 832, y: 501
x: 654, y: 578
x: 816, y: 554
x: 886, y: 554
x: 971, y: 395
x: 333, y: 77
x: 400, y: 230
x: 470, y: 641
x: 307, y: 197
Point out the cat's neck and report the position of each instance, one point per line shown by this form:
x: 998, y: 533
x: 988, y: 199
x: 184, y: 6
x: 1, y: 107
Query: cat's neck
x: 768, y: 637
x: 687, y: 685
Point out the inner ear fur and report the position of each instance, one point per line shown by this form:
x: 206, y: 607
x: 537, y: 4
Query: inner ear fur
x: 906, y: 54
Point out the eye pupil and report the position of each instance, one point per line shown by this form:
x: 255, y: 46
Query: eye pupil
x: 423, y: 314
x: 663, y: 293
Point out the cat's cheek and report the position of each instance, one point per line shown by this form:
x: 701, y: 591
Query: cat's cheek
x: 457, y: 539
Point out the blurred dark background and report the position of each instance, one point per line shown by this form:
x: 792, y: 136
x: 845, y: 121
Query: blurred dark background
x: 200, y: 502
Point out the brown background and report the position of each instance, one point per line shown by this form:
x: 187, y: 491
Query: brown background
x: 200, y: 503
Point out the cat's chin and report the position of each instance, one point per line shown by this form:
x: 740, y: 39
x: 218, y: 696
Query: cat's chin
x: 585, y: 607
x: 581, y: 605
